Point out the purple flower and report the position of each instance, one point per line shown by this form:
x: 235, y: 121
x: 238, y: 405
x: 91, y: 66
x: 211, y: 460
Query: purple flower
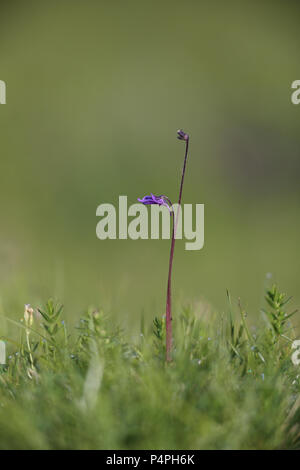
x: 160, y: 200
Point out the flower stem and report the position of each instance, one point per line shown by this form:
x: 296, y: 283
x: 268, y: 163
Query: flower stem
x: 174, y: 228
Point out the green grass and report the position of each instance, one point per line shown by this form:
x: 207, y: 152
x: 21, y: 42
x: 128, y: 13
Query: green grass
x: 231, y: 385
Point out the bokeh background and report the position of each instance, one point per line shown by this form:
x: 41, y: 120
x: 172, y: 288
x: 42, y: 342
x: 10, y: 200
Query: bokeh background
x: 95, y: 93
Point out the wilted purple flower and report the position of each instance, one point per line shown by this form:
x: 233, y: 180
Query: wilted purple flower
x: 182, y: 135
x: 160, y: 200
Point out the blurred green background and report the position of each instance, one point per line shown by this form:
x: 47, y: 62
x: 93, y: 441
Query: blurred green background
x: 95, y: 93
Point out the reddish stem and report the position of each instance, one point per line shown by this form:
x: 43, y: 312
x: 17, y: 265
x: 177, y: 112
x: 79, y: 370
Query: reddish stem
x: 174, y: 228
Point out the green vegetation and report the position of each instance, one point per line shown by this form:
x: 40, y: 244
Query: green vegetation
x: 230, y: 385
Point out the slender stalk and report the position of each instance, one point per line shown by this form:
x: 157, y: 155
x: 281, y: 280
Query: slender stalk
x: 184, y: 166
x: 28, y: 317
x: 185, y: 137
x: 29, y: 348
x: 169, y: 298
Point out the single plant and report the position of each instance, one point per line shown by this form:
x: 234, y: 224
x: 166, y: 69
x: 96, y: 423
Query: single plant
x: 52, y: 325
x: 165, y: 201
